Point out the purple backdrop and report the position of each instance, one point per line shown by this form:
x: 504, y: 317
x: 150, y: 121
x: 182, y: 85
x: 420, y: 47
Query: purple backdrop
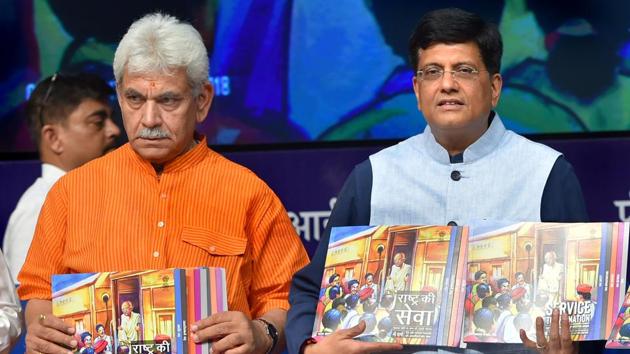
x: 307, y: 180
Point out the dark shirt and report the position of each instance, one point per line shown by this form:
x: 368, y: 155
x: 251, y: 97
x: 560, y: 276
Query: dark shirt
x: 562, y: 201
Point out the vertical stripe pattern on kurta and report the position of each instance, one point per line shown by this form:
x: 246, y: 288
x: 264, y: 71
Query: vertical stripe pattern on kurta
x: 115, y: 213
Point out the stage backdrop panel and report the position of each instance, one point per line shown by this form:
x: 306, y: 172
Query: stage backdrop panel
x: 308, y: 180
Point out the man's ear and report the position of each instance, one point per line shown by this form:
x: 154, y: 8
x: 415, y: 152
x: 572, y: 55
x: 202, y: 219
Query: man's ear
x: 52, y: 139
x: 496, y: 83
x: 416, y: 90
x: 204, y: 101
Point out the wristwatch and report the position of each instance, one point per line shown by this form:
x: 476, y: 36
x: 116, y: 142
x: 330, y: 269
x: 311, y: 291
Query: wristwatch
x: 271, y: 332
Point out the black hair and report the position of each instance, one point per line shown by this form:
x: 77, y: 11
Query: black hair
x: 352, y: 301
x: 488, y: 301
x: 502, y: 281
x: 483, y: 318
x: 483, y: 290
x: 503, y: 300
x: 455, y: 26
x: 331, y: 319
x: 338, y: 301
x: 585, y: 296
x: 369, y: 306
x: 53, y: 101
x: 479, y: 273
x: 387, y: 300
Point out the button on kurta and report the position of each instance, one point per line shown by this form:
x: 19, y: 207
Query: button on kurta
x: 163, y: 195
x: 212, y: 248
x: 456, y: 175
x: 161, y: 223
x: 156, y: 254
x: 452, y: 223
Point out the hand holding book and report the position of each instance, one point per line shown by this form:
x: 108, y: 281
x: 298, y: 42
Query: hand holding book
x: 231, y: 330
x: 45, y: 332
x: 559, y: 337
x: 344, y: 338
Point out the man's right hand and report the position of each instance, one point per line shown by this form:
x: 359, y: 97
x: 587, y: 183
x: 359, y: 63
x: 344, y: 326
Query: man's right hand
x: 46, y: 333
x: 343, y: 340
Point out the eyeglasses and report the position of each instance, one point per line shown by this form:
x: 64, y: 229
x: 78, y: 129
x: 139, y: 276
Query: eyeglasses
x: 434, y: 73
x: 45, y: 99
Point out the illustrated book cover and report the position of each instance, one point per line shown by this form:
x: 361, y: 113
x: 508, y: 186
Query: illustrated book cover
x: 620, y: 336
x: 520, y: 271
x: 148, y: 311
x: 405, y: 282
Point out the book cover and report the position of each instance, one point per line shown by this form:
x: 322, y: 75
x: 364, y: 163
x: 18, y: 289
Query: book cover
x: 180, y: 311
x: 204, y: 301
x: 400, y: 280
x: 147, y: 311
x: 192, y: 307
x: 119, y: 312
x: 620, y: 335
x: 218, y: 294
x: 520, y: 271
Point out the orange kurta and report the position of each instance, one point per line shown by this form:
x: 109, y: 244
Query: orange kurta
x: 116, y: 214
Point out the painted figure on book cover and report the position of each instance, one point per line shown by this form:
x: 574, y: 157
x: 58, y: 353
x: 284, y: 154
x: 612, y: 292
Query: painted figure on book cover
x: 103, y: 340
x: 398, y: 279
x: 130, y: 322
x: 550, y: 280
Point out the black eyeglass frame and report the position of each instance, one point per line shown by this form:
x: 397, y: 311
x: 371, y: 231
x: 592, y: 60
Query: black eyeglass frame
x: 42, y: 105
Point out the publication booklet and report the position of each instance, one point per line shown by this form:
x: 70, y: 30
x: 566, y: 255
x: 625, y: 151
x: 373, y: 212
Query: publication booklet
x: 148, y: 311
x: 519, y: 271
x: 620, y: 336
x: 405, y: 282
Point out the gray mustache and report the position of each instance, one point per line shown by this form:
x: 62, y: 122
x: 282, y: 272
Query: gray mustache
x: 153, y: 133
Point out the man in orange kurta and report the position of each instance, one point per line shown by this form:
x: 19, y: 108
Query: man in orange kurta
x: 166, y: 200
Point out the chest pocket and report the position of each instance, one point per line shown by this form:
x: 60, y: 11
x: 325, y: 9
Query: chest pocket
x: 215, y: 243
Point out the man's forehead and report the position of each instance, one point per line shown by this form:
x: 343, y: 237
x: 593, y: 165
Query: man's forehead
x: 172, y: 81
x: 89, y: 107
x: 450, y: 52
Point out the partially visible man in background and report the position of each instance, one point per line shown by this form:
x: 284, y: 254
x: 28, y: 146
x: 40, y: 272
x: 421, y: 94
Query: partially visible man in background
x: 70, y: 121
x: 10, y: 310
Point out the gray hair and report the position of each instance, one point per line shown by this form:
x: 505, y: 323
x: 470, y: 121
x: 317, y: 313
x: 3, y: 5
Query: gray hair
x: 159, y: 43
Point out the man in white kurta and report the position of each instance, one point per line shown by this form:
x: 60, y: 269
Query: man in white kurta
x: 10, y: 310
x: 70, y: 120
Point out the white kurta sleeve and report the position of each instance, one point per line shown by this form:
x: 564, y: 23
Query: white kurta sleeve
x: 10, y: 310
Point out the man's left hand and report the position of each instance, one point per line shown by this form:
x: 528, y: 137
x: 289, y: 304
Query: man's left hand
x: 231, y: 330
x: 559, y: 336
